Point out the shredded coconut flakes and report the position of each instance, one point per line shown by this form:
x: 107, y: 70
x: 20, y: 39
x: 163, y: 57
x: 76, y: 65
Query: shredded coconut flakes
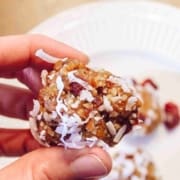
x: 120, y: 133
x: 86, y: 95
x: 106, y: 105
x: 46, y: 57
x: 36, y: 108
x: 111, y: 128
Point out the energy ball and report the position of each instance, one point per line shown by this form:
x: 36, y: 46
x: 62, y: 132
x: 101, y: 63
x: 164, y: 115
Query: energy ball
x: 80, y: 107
x: 130, y: 163
x: 151, y: 111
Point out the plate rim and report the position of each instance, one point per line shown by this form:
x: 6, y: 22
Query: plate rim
x: 157, y: 8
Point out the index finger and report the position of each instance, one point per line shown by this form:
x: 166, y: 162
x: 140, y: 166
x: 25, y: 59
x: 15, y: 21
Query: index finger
x: 18, y: 52
x: 16, y: 142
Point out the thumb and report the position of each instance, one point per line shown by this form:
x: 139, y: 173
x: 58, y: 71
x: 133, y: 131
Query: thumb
x: 59, y: 164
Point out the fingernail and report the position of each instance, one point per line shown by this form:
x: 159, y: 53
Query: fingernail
x: 88, y: 167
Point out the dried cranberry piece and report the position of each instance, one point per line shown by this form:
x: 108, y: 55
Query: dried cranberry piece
x: 172, y: 116
x: 121, y: 120
x: 150, y: 82
x: 75, y: 88
x: 105, y: 115
x: 100, y: 90
x: 97, y: 101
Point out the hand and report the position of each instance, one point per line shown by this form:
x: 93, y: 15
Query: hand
x: 18, y: 60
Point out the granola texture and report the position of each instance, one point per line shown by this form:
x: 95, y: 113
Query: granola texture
x: 79, y: 107
x: 151, y: 111
x: 132, y: 164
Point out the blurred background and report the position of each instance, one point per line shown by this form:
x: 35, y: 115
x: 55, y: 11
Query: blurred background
x: 20, y: 16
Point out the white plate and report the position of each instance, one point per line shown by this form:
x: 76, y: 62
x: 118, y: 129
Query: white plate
x: 137, y: 39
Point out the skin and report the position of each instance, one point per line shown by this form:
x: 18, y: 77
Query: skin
x: 18, y: 60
